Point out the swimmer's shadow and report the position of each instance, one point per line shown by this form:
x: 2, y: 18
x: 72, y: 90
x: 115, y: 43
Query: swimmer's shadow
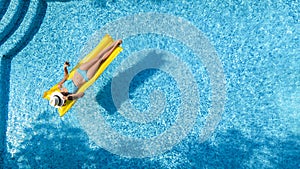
x: 104, y: 96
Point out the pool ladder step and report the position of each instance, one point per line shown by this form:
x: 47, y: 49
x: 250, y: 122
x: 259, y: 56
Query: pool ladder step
x: 12, y: 18
x: 18, y: 25
x: 3, y: 7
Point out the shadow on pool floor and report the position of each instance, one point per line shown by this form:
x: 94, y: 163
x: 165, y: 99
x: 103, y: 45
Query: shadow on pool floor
x: 51, y: 146
x: 63, y: 147
x: 104, y: 96
x: 237, y: 151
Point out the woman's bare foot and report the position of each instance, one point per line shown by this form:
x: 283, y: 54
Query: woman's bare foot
x: 119, y: 42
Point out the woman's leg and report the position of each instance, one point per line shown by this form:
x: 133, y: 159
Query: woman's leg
x: 103, y: 54
x: 94, y: 68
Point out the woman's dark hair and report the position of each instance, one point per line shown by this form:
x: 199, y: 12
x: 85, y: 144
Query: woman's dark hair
x: 70, y: 98
x: 65, y: 93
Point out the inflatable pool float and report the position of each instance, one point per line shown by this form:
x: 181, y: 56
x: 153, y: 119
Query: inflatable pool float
x: 105, y: 42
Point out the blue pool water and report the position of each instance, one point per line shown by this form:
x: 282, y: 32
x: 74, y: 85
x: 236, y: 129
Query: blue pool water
x: 206, y: 84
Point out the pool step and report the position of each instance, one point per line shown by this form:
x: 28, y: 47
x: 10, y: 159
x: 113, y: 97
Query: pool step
x: 26, y: 30
x: 4, y: 93
x: 3, y: 7
x: 12, y: 19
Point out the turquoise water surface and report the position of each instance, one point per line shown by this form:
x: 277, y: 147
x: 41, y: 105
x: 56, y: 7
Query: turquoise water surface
x: 199, y: 84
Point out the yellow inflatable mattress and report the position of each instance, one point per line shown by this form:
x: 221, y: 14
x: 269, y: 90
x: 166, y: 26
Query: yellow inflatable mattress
x: 105, y: 42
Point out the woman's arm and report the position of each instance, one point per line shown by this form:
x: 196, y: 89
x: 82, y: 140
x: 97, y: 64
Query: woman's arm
x: 66, y: 74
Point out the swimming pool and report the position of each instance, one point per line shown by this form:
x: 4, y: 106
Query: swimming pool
x: 198, y: 84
